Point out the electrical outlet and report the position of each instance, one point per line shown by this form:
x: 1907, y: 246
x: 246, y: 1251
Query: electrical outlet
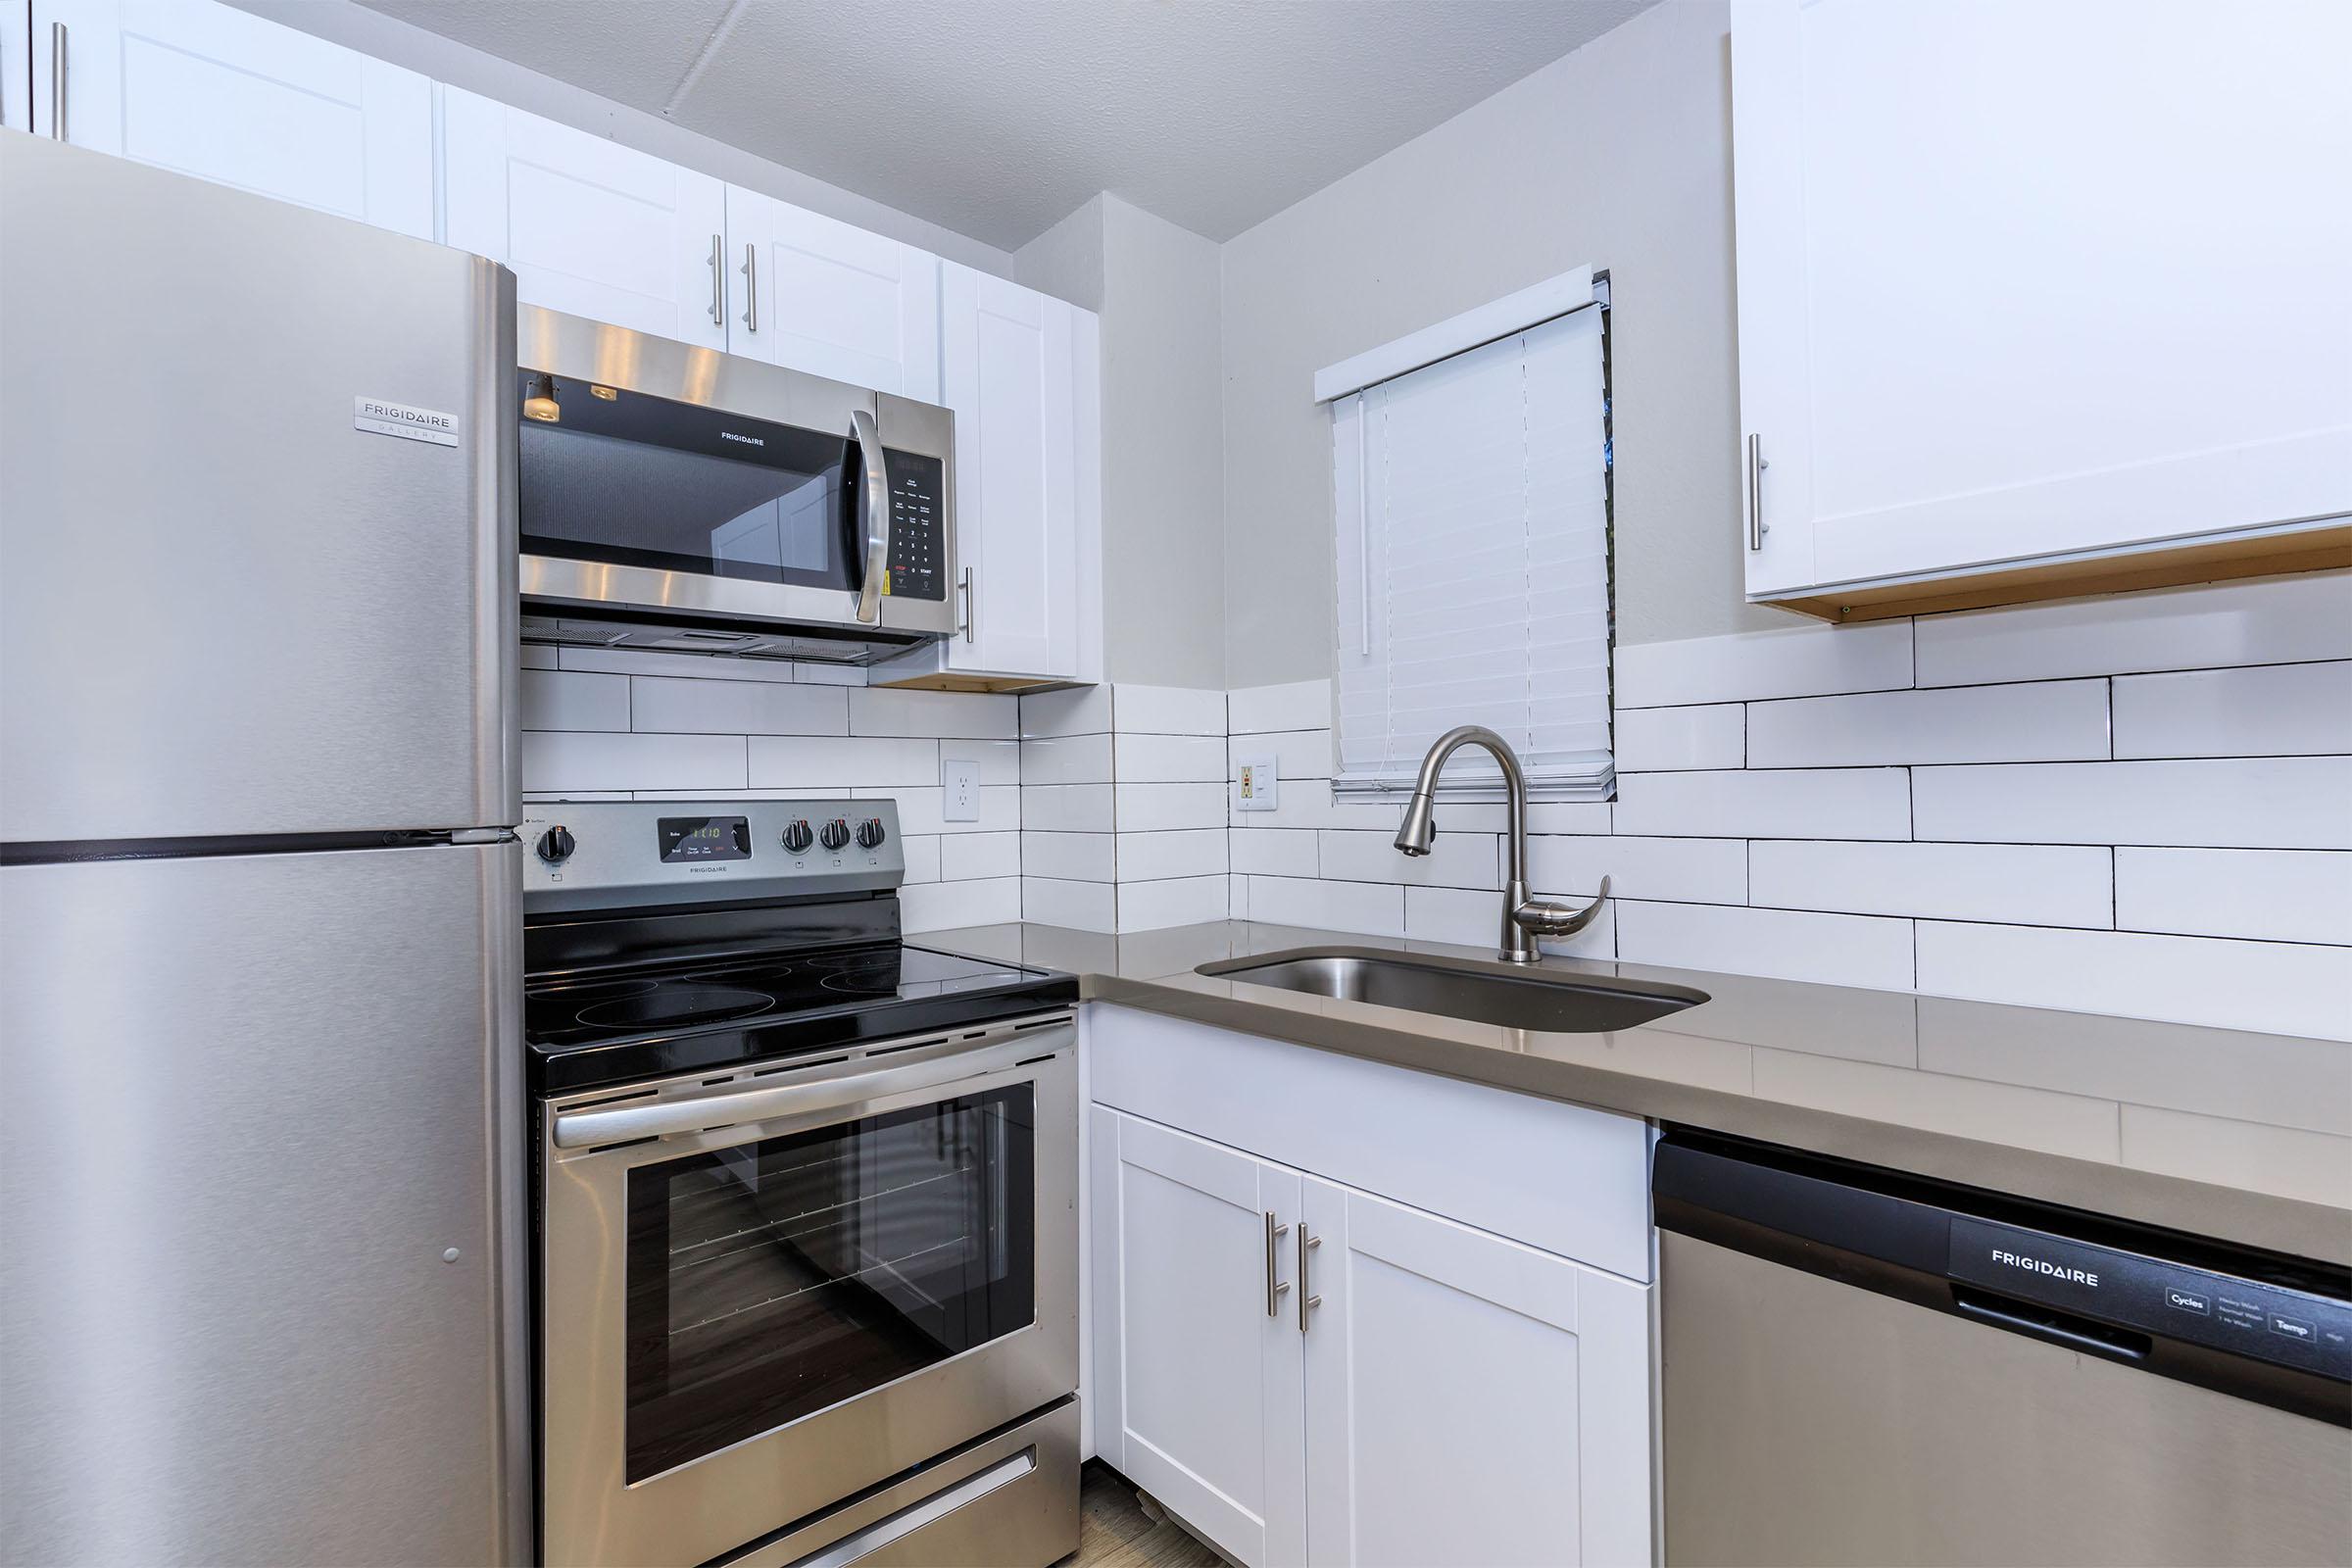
x: 960, y: 779
x: 1256, y: 783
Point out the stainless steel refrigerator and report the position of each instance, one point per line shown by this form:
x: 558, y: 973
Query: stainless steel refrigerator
x: 261, y: 1275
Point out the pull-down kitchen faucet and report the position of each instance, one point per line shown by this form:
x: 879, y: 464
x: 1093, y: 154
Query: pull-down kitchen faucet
x: 1524, y: 919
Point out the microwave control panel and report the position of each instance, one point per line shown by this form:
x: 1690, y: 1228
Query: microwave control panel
x: 918, y: 525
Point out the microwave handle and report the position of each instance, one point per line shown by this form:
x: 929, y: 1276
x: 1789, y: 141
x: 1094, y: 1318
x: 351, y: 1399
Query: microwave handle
x: 584, y: 1129
x: 866, y: 436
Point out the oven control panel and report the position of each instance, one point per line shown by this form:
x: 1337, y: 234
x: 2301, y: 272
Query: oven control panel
x: 617, y: 855
x: 917, y: 528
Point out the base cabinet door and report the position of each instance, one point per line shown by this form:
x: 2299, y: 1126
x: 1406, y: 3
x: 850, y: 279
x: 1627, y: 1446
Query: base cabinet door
x: 1470, y: 1401
x: 213, y: 92
x: 589, y: 227
x: 1197, y: 1344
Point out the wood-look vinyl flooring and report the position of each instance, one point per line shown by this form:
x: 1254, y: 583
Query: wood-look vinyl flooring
x: 1115, y: 1532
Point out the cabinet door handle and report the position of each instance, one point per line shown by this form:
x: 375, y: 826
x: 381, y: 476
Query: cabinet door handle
x: 57, y: 81
x: 963, y: 588
x: 718, y: 280
x: 1757, y: 527
x: 751, y: 287
x: 1274, y: 1287
x: 1307, y: 1302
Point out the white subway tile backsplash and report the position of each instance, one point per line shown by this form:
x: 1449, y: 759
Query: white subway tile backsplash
x: 1839, y: 950
x: 1193, y: 852
x: 923, y: 811
x: 1149, y: 807
x: 1302, y: 754
x: 2276, y: 621
x: 563, y: 761
x: 2018, y: 884
x: 944, y: 716
x: 2272, y: 895
x: 2274, y: 802
x: 2038, y: 721
x: 1167, y: 758
x: 829, y: 674
x: 970, y: 856
x: 2285, y: 988
x: 1454, y: 859
x: 1274, y: 851
x: 1746, y: 666
x: 1168, y: 711
x: 1066, y: 808
x: 1174, y: 900
x: 707, y: 706
x: 1069, y: 857
x: 2262, y: 710
x: 1087, y: 906
x: 1833, y: 803
x: 1262, y: 710
x: 1659, y: 740
x: 922, y: 855
x: 1066, y: 760
x: 553, y: 699
x: 1568, y: 816
x: 818, y: 763
x: 1672, y: 870
x: 999, y: 761
x: 1370, y: 908
x: 945, y: 906
x: 1072, y: 710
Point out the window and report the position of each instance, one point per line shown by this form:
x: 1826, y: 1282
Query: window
x: 1472, y: 531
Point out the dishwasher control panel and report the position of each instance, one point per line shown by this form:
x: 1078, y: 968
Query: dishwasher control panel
x: 2151, y: 1296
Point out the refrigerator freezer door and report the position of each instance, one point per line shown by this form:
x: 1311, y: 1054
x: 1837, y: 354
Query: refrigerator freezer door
x: 230, y: 602
x: 262, y: 1127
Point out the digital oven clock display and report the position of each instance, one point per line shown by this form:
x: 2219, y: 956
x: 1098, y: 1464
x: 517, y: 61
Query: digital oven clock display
x: 687, y: 839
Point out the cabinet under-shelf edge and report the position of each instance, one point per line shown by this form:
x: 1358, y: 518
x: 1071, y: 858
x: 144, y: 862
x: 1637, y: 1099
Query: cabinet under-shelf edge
x: 2264, y: 554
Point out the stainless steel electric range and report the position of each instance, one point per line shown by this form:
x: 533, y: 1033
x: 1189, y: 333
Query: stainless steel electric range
x: 807, y: 1201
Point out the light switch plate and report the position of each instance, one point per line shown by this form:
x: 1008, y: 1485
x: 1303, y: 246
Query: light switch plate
x: 960, y: 779
x: 1256, y: 783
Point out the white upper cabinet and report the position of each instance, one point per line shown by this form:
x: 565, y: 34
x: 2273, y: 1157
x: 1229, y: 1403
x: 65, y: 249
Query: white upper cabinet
x: 211, y: 91
x: 589, y: 227
x: 818, y: 295
x: 2020, y: 283
x: 16, y: 66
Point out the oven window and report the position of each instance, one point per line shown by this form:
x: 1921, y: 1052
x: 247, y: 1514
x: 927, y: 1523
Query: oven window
x: 777, y: 1279
x: 634, y: 480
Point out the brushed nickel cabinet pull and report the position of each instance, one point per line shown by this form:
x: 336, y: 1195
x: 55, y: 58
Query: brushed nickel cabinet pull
x: 967, y: 625
x: 1274, y: 1287
x: 1757, y: 527
x: 1307, y: 1302
x: 718, y: 280
x: 751, y: 287
x: 58, y: 63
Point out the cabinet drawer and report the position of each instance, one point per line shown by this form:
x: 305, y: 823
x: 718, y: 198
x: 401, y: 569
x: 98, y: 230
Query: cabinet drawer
x: 1563, y: 1178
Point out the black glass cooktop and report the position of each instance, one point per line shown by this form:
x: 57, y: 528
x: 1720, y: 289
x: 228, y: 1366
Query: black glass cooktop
x: 601, y: 1028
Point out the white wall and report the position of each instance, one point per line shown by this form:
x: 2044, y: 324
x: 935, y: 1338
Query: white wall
x: 1156, y: 287
x: 444, y: 60
x: 1617, y: 155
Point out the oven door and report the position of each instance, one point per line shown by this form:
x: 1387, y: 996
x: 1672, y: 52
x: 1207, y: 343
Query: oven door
x: 670, y: 483
x: 764, y: 1292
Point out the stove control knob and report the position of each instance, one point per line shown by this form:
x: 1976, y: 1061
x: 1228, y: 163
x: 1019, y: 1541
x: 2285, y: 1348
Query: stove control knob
x: 836, y: 834
x: 869, y: 832
x: 556, y: 846
x: 797, y: 838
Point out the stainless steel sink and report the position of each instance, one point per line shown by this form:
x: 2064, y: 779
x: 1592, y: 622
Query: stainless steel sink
x: 1461, y: 988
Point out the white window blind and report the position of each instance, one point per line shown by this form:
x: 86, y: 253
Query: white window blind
x: 1472, y: 530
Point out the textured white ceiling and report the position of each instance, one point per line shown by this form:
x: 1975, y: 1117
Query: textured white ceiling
x: 997, y: 117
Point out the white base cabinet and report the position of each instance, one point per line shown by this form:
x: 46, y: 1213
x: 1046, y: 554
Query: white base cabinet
x: 1308, y: 1372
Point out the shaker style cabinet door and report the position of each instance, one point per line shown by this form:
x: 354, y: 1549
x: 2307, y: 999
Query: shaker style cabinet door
x: 16, y: 66
x: 818, y: 295
x: 1470, y: 1401
x: 589, y: 227
x: 1007, y: 367
x: 1197, y: 1355
x: 2019, y: 281
x: 209, y: 90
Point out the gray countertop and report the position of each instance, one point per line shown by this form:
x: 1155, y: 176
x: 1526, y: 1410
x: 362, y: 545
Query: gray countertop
x: 2244, y: 1136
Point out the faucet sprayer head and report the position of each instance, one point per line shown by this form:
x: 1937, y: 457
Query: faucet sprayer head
x: 1419, y: 826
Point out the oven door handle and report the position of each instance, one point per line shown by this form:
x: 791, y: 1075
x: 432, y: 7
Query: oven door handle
x: 616, y: 1124
x: 866, y: 436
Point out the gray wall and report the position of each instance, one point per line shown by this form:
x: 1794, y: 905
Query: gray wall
x: 1618, y: 155
x: 1156, y: 286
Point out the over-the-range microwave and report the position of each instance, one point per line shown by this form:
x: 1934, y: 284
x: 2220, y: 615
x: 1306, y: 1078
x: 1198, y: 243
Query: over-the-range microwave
x: 673, y: 497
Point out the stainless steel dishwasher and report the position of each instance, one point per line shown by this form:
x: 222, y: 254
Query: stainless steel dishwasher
x: 1866, y: 1369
